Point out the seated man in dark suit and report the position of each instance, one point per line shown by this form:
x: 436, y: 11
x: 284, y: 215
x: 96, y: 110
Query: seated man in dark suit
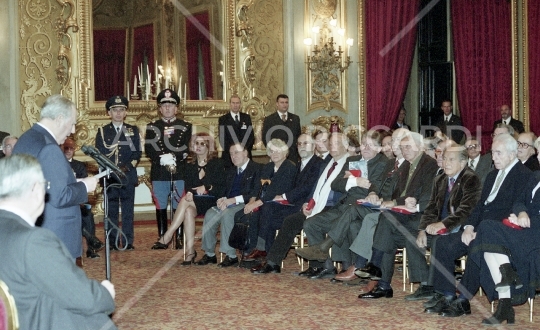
x: 501, y: 189
x: 50, y: 291
x: 526, y: 152
x: 241, y: 185
x: 480, y: 164
x: 450, y: 124
x: 336, y: 221
x: 394, y: 226
x: 506, y: 119
x: 322, y: 197
x: 455, y: 194
x: 272, y: 213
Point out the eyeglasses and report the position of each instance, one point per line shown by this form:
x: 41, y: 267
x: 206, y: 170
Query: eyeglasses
x: 271, y: 152
x: 46, y: 184
x: 495, y: 134
x: 303, y: 143
x: 472, y: 146
x: 406, y: 147
x: 198, y: 143
x: 523, y: 145
x: 367, y: 145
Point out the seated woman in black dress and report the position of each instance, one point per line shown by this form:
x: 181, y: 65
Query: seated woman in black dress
x: 505, y: 249
x: 281, y: 173
x: 204, y: 182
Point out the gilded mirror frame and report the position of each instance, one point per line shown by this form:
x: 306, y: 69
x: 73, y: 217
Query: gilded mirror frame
x: 200, y: 113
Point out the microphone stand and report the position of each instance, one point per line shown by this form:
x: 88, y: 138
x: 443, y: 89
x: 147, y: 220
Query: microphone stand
x: 106, y: 225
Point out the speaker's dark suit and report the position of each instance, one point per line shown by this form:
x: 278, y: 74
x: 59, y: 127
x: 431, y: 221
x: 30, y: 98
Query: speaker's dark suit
x: 231, y: 132
x: 450, y: 247
x: 453, y: 124
x: 516, y: 124
x: 273, y: 214
x: 275, y: 128
x: 62, y: 213
x: 50, y: 291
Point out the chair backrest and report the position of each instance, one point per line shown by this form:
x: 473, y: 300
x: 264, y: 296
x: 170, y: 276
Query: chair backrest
x: 9, y: 320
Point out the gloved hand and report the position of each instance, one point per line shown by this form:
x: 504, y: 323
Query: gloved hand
x: 167, y: 160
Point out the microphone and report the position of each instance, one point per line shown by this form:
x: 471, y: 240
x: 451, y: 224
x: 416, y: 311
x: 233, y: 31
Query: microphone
x: 102, y: 161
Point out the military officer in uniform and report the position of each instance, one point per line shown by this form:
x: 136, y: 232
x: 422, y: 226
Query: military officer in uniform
x: 167, y: 146
x: 121, y: 143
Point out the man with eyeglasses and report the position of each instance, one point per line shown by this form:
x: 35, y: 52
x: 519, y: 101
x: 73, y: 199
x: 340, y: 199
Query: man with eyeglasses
x: 526, y: 152
x: 353, y: 186
x: 62, y: 213
x: 167, y: 146
x: 506, y: 119
x: 480, y: 164
x: 121, y: 143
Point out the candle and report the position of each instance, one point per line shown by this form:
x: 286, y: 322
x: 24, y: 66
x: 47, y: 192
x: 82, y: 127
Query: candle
x: 139, y: 72
x: 156, y: 70
x: 135, y: 85
x: 128, y: 90
x: 185, y: 92
x: 147, y: 71
x: 180, y: 88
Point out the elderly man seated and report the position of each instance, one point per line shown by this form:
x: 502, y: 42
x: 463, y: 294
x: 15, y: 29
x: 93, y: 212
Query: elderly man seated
x: 50, y: 291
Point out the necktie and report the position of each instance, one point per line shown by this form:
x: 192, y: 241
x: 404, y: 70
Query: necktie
x: 117, y: 129
x: 445, y: 120
x: 471, y: 164
x: 236, y: 119
x: 396, y: 165
x: 239, y: 170
x: 496, y: 187
x: 451, y: 184
x: 331, y: 170
x: 284, y: 117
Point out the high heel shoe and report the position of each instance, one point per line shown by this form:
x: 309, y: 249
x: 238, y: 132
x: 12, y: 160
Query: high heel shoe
x: 504, y: 312
x: 160, y: 246
x: 190, y: 261
x: 509, y: 277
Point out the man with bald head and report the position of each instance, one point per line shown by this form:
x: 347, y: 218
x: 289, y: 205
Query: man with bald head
x: 506, y: 118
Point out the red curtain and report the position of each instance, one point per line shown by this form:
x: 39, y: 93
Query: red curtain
x: 109, y: 59
x: 483, y: 62
x: 143, y: 45
x: 390, y: 42
x: 534, y: 65
x: 197, y: 40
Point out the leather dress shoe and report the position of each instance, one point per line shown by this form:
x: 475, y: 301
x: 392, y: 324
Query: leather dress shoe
x: 323, y: 273
x: 159, y: 246
x: 458, y: 307
x: 433, y: 301
x: 441, y: 304
x: 206, y: 259
x: 356, y: 282
x: 255, y: 254
x: 91, y: 254
x: 377, y: 293
x: 308, y: 272
x: 312, y: 253
x: 130, y: 247
x: 370, y: 271
x: 345, y: 276
x: 97, y: 245
x: 113, y: 247
x: 266, y: 269
x: 228, y: 262
x: 423, y: 292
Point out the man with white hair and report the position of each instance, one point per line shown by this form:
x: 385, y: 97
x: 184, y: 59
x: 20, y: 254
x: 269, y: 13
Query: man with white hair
x: 8, y: 143
x: 50, y: 291
x: 62, y: 213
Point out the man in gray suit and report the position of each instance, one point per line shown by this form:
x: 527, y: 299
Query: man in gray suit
x: 62, y: 213
x: 480, y: 164
x: 50, y: 291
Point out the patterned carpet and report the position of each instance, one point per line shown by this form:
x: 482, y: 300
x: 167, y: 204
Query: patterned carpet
x: 153, y: 291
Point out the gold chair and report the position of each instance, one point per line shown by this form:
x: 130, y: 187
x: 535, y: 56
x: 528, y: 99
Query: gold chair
x: 8, y: 309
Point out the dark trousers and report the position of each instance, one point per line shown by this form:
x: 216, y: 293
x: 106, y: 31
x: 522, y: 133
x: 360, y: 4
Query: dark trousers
x: 393, y: 231
x: 124, y: 196
x: 319, y: 225
x: 448, y: 249
x: 419, y: 270
x: 88, y: 224
x: 272, y: 217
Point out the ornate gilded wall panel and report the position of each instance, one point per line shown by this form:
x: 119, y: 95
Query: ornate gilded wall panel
x: 45, y: 53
